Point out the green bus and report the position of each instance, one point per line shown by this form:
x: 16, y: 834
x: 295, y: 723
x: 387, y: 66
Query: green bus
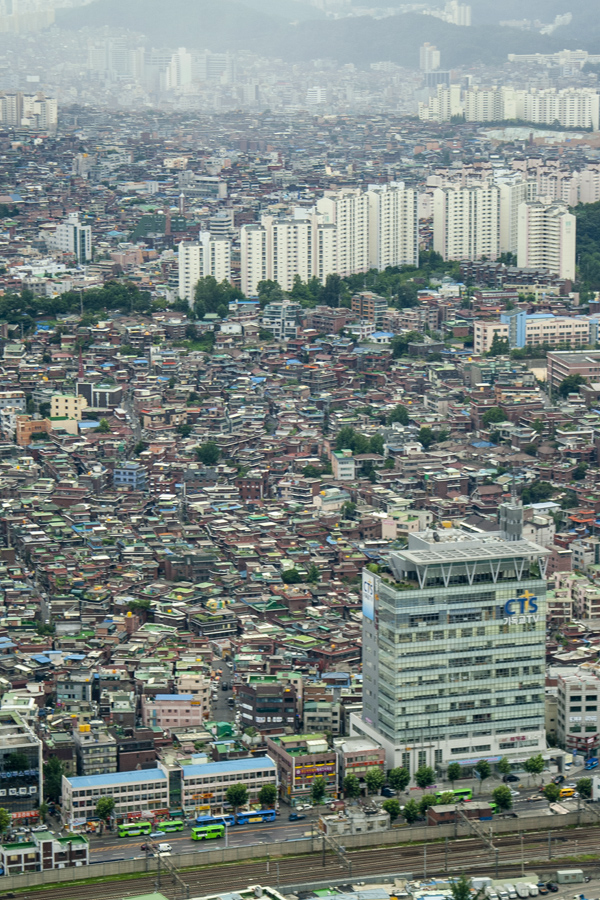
x: 171, y: 825
x: 460, y: 794
x: 132, y: 829
x: 494, y: 807
x: 208, y: 832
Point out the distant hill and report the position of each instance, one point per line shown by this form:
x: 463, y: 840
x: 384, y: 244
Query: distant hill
x: 264, y: 27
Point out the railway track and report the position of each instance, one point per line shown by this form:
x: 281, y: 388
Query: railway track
x: 464, y: 854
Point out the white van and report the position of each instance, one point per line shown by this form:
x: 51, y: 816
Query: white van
x: 533, y: 890
x: 510, y: 890
x: 522, y: 890
x: 164, y: 848
x: 491, y: 894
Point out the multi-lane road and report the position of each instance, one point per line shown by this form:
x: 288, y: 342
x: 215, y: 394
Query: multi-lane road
x: 108, y: 846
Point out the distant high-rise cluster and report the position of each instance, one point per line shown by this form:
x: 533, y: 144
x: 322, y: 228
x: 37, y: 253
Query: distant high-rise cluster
x: 31, y: 111
x: 454, y: 13
x: 20, y: 16
x: 159, y: 70
x: 569, y: 107
x: 348, y: 231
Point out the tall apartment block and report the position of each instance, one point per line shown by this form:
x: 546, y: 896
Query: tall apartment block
x: 347, y: 232
x: 546, y: 238
x: 201, y: 258
x: 454, y: 651
x: 466, y: 222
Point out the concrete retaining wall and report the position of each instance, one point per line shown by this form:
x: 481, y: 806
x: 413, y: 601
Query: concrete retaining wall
x: 205, y: 857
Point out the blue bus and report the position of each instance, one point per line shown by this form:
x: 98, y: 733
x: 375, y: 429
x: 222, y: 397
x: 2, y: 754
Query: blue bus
x: 215, y: 820
x: 250, y: 818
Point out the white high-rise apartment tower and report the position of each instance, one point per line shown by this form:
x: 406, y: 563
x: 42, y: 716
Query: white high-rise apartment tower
x: 199, y: 259
x: 429, y: 58
x: 393, y: 226
x: 513, y: 192
x: 547, y: 234
x: 466, y: 222
x: 348, y: 210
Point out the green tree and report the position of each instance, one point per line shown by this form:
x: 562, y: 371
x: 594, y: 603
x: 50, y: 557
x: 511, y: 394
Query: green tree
x: 551, y: 792
x: 426, y: 437
x: 313, y: 576
x: 43, y: 811
x: 103, y: 427
x: 424, y: 776
x: 411, y: 811
x: 499, y: 346
x: 377, y: 444
x: 45, y: 410
x: 105, y: 807
x: 453, y: 772
x: 502, y: 797
x: 425, y: 802
x: 571, y: 385
x: 584, y: 787
x: 269, y: 292
x: 392, y: 807
x: 537, y: 492
x: 291, y: 576
x: 579, y: 472
x: 399, y: 778
x: 140, y: 447
x: 535, y: 765
x: 53, y: 773
x: 236, y: 795
x: 348, y: 510
x: 484, y: 770
x: 460, y: 889
x: 208, y: 453
x: 447, y: 797
x: 349, y: 439
x: 184, y: 430
x: 318, y: 789
x: 399, y: 414
x: 374, y: 779
x: 399, y: 343
x: 492, y: 416
x: 351, y: 786
x: 504, y: 766
x: 267, y: 796
x: 5, y: 819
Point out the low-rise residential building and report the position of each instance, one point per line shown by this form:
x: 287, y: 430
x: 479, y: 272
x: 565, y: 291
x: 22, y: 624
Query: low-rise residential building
x: 301, y: 758
x: 145, y: 791
x: 271, y: 708
x: 44, y: 851
x: 577, y: 711
x: 169, y: 711
x: 343, y: 465
x: 96, y: 750
x: 204, y: 786
x: 357, y: 756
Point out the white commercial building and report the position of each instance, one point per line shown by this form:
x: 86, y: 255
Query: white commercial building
x: 466, y: 222
x: 72, y: 237
x: 546, y: 238
x: 454, y: 651
x: 201, y: 258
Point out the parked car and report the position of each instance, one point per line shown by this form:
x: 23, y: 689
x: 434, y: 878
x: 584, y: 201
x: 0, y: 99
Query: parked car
x: 541, y: 886
x: 552, y: 886
x: 507, y: 778
x: 559, y: 779
x: 295, y: 817
x: 388, y: 792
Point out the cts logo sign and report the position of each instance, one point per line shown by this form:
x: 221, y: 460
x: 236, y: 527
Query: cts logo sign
x: 521, y: 610
x: 520, y: 607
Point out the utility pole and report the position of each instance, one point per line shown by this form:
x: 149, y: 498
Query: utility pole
x: 549, y: 845
x: 522, y: 856
x: 446, y: 857
x: 424, y: 862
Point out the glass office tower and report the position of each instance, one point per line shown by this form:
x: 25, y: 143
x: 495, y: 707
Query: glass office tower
x: 454, y: 651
